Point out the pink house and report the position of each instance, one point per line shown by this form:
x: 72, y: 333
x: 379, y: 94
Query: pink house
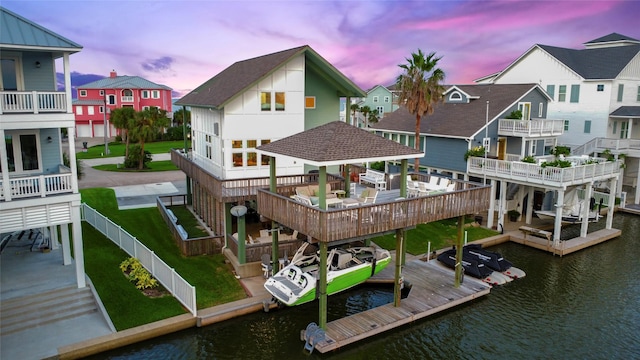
x: 115, y: 92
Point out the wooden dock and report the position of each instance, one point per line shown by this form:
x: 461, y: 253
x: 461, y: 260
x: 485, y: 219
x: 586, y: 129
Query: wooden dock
x: 433, y: 291
x: 566, y: 246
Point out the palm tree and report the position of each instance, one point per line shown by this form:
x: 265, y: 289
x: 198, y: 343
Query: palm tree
x: 374, y: 116
x: 365, y: 110
x: 354, y: 108
x: 123, y: 119
x: 420, y: 89
x: 147, y: 124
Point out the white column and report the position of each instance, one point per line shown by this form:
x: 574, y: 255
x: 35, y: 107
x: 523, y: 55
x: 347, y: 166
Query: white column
x: 67, y: 84
x: 503, y: 204
x: 492, y: 204
x: 520, y: 196
x: 530, y: 196
x: 588, y: 192
x: 53, y: 237
x: 71, y: 131
x: 612, y: 203
x: 66, y: 245
x: 618, y: 188
x: 78, y: 251
x: 558, y: 221
x: 6, y: 183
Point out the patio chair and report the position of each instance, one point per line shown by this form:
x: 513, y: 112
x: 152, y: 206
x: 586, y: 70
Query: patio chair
x: 433, y: 181
x: 267, y: 266
x: 368, y: 196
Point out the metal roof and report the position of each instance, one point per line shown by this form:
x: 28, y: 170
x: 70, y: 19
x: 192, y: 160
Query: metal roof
x: 338, y: 143
x: 123, y: 82
x: 19, y: 33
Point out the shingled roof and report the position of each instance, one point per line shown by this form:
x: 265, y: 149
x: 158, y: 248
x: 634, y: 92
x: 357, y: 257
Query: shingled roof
x: 460, y: 120
x: 235, y: 79
x: 626, y: 112
x: 613, y: 37
x: 596, y: 63
x: 338, y: 143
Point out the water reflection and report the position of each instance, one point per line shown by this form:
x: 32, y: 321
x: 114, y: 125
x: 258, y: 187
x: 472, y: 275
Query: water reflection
x: 582, y: 306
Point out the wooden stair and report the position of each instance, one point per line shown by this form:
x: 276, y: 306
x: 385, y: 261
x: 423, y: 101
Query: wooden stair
x: 19, y: 314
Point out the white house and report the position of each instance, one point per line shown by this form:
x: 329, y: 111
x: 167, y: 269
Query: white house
x: 595, y: 90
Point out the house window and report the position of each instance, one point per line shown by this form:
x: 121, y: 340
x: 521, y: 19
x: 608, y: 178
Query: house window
x: 252, y: 158
x: 638, y: 96
x: 145, y: 94
x: 615, y: 127
x: 145, y: 108
x: 264, y: 159
x: 309, y: 102
x: 486, y: 144
x: 600, y: 87
x: 455, y: 96
x: 101, y: 92
x: 575, y: 93
x: 540, y: 110
x: 265, y: 101
x: 90, y: 110
x: 380, y: 111
x: 279, y: 101
x: 216, y: 130
x: 78, y: 110
x: 155, y: 94
x: 375, y: 99
x: 566, y: 125
x: 525, y: 108
x: 237, y: 159
x: 624, y: 130
x: 587, y: 126
x: 620, y: 92
x: 236, y: 144
x: 386, y: 99
x: 83, y: 93
x: 101, y: 109
x: 562, y: 93
x: 551, y: 89
x: 127, y: 95
x: 111, y: 99
x: 534, y: 145
x: 22, y: 152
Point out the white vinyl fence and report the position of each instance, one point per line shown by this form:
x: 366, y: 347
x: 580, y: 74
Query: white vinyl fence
x: 167, y: 276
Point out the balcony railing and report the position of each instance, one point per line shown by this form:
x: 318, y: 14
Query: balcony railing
x: 582, y: 171
x: 39, y: 186
x: 371, y: 219
x: 32, y: 102
x: 530, y: 128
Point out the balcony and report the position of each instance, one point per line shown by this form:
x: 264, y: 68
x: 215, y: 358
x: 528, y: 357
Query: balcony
x: 32, y: 102
x: 583, y: 170
x: 38, y: 186
x: 371, y: 219
x: 536, y: 128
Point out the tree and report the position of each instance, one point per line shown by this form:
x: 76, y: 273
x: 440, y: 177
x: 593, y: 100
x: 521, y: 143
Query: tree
x: 419, y: 89
x: 374, y: 116
x: 180, y: 115
x: 123, y: 119
x: 146, y: 126
x: 354, y: 108
x: 365, y: 110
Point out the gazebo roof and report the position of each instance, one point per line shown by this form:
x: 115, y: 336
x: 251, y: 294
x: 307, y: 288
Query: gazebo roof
x: 338, y: 143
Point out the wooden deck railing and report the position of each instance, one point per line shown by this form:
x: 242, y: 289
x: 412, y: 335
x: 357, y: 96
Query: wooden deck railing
x: 244, y: 189
x: 367, y: 220
x: 32, y: 102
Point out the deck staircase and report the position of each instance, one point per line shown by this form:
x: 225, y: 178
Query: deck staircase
x: 23, y: 313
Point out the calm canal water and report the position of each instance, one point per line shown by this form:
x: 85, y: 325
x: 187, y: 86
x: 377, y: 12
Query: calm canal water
x: 585, y: 305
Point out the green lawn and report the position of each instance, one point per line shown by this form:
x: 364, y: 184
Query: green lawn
x: 441, y: 234
x: 162, y: 165
x: 214, y: 281
x: 188, y: 221
x: 117, y: 149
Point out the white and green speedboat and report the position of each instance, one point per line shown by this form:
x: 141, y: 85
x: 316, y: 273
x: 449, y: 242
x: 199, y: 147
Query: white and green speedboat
x: 295, y: 284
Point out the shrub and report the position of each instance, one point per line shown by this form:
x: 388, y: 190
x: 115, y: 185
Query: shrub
x: 516, y: 114
x: 474, y: 152
x: 378, y: 165
x: 137, y: 274
x: 529, y: 159
x: 132, y: 161
x: 560, y: 150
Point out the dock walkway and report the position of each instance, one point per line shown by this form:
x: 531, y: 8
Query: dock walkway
x: 432, y: 292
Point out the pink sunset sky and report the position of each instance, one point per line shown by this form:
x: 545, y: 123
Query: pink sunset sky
x: 182, y: 44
